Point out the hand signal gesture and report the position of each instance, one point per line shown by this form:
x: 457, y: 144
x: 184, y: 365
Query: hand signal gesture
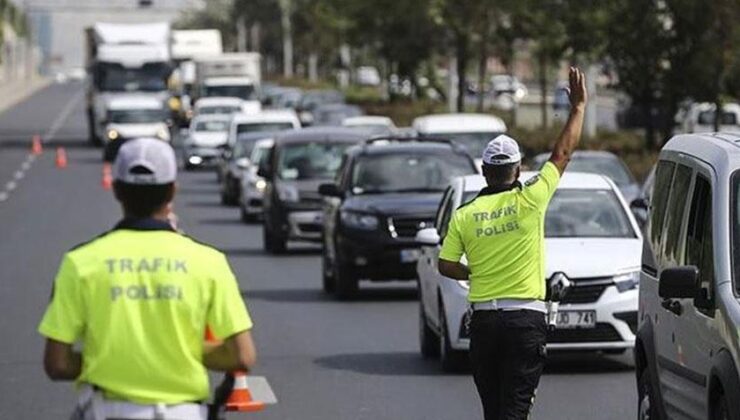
x: 577, y: 88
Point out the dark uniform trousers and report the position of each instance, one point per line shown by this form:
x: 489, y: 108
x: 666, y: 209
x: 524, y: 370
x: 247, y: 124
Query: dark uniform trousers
x: 507, y: 354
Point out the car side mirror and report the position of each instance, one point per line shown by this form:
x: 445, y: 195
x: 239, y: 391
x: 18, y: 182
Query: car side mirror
x: 330, y: 190
x: 639, y: 204
x: 678, y: 282
x: 242, y: 163
x: 428, y: 237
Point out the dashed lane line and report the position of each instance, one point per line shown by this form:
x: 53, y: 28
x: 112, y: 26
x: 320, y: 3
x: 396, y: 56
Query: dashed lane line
x: 58, y: 123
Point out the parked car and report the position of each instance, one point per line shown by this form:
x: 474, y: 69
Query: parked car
x: 217, y: 105
x: 385, y: 192
x: 590, y: 236
x: 473, y: 131
x: 129, y: 117
x: 253, y: 186
x: 376, y: 125
x: 602, y: 163
x: 334, y: 114
x: 687, y: 350
x: 237, y: 163
x: 312, y: 99
x: 298, y: 163
x: 206, y: 141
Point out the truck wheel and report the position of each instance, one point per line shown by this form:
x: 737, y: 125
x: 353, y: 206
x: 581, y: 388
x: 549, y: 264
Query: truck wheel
x: 646, y: 408
x: 272, y: 242
x: 345, y: 280
x: 452, y: 360
x: 428, y: 340
x: 327, y: 273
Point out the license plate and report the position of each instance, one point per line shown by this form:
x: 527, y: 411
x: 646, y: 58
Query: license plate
x: 410, y: 255
x: 576, y: 319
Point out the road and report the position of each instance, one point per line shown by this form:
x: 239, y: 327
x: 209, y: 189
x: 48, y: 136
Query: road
x: 324, y: 359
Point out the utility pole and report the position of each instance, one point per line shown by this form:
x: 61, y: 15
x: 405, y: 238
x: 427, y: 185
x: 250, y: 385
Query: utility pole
x: 285, y: 23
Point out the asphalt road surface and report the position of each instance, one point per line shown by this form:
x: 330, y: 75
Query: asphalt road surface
x: 324, y: 359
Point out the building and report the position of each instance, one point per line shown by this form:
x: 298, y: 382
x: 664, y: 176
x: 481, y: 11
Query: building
x: 58, y: 25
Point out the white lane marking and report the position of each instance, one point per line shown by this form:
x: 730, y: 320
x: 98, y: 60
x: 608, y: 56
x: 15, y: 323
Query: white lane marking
x: 58, y: 123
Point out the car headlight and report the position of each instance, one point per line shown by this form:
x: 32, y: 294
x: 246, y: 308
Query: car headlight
x: 163, y: 134
x: 112, y: 134
x: 627, y: 281
x: 359, y: 220
x: 288, y: 193
x: 260, y: 185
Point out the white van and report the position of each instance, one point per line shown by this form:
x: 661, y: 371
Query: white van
x: 129, y: 117
x: 687, y: 349
x: 473, y: 131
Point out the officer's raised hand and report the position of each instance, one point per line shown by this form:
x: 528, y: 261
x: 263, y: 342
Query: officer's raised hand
x: 571, y: 134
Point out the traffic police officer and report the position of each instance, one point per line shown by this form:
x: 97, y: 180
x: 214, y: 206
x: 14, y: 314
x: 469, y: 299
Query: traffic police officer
x: 501, y: 232
x: 139, y: 298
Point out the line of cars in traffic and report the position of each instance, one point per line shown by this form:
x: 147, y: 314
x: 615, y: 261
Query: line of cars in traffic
x: 378, y: 202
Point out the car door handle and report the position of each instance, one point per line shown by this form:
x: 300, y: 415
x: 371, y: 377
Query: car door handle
x: 673, y: 306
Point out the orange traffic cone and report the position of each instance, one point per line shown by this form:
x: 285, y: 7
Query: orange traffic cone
x: 240, y: 398
x: 61, y: 159
x: 107, y: 181
x: 36, y: 147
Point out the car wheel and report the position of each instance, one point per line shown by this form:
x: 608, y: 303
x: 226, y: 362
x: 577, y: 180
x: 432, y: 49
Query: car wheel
x: 345, y: 280
x: 646, y: 406
x: 452, y: 360
x: 720, y: 411
x: 327, y: 273
x: 272, y: 242
x: 428, y: 340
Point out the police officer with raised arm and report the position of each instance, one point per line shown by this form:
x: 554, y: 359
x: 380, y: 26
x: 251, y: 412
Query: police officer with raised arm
x: 501, y: 232
x: 138, y: 299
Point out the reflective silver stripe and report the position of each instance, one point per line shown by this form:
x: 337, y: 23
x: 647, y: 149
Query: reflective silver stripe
x: 510, y: 305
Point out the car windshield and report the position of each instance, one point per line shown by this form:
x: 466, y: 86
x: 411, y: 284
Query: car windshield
x: 212, y: 126
x: 218, y: 109
x: 263, y: 126
x: 245, y: 92
x: 310, y: 160
x: 136, y: 116
x: 407, y: 172
x: 149, y: 78
x: 735, y: 204
x: 600, y: 165
x: 707, y: 118
x: 582, y: 213
x: 473, y: 142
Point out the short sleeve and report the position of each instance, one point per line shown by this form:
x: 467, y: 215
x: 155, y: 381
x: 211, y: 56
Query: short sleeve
x: 64, y: 319
x: 227, y: 314
x: 452, y: 247
x: 539, y: 189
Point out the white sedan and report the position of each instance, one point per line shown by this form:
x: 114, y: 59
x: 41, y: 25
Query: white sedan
x: 590, y: 236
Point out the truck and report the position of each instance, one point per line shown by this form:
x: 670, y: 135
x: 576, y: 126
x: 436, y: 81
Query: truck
x: 121, y: 59
x: 187, y: 46
x: 230, y: 74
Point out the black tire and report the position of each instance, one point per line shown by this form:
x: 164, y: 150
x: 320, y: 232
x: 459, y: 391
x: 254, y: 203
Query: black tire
x: 327, y: 273
x: 346, y: 283
x: 246, y: 217
x: 720, y: 411
x: 273, y: 243
x: 451, y: 360
x: 428, y: 340
x: 646, y: 401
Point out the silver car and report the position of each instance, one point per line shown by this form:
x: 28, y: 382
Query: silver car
x: 687, y: 349
x: 253, y: 185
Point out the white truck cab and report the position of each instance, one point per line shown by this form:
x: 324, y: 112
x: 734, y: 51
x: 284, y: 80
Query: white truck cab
x: 131, y: 116
x: 473, y: 131
x: 687, y: 348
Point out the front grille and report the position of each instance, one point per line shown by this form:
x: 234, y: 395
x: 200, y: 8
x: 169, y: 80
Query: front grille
x: 586, y: 290
x: 407, y: 227
x: 309, y: 228
x: 603, y: 332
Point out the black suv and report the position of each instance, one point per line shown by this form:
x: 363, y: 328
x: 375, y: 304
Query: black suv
x: 385, y: 192
x: 298, y: 163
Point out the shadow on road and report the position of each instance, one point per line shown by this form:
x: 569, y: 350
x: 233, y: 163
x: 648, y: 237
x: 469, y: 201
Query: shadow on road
x: 319, y: 296
x: 585, y: 363
x: 384, y: 364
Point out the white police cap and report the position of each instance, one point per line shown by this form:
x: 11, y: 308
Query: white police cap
x: 145, y: 161
x: 504, y: 148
